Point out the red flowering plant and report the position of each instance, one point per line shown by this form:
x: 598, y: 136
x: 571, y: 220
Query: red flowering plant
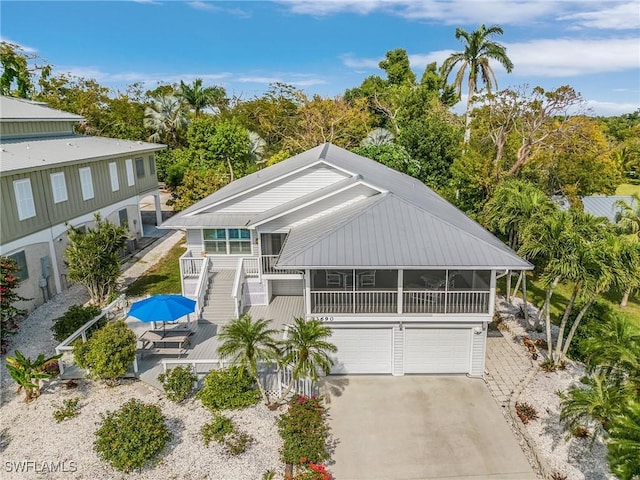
x: 9, y: 313
x: 305, y: 433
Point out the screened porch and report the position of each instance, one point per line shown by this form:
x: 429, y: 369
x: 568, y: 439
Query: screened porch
x: 375, y: 291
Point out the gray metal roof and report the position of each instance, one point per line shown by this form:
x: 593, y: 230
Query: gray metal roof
x: 605, y: 206
x: 16, y: 155
x: 236, y: 220
x: 388, y: 231
x: 21, y: 110
x: 416, y: 211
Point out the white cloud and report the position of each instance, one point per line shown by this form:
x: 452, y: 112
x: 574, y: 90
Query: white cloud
x: 148, y: 79
x: 617, y: 17
x: 204, y: 6
x: 212, y: 7
x: 571, y: 57
x: 611, y: 108
x: 296, y: 79
x: 148, y: 2
x: 350, y: 61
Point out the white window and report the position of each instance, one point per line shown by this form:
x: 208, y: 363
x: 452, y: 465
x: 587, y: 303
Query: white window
x: 24, y: 198
x: 222, y: 241
x: 113, y: 173
x: 59, y: 187
x: 86, y: 183
x: 130, y: 179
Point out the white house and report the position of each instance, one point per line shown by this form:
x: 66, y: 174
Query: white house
x: 405, y: 280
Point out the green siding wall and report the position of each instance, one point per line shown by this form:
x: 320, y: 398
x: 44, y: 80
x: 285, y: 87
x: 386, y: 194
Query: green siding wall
x: 49, y: 213
x: 32, y: 129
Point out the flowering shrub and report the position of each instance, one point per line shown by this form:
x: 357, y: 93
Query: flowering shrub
x: 312, y: 471
x: 9, y: 282
x: 305, y: 433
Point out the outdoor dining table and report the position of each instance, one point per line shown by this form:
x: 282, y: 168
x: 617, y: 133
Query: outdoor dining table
x: 156, y: 341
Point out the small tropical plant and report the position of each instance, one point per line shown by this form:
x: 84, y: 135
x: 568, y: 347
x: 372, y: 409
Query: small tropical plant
x: 526, y: 412
x: 624, y: 443
x: 109, y: 353
x: 68, y: 409
x: 74, y: 318
x: 549, y: 365
x: 248, y: 342
x: 178, y: 383
x: 228, y: 389
x: 28, y: 374
x: 593, y: 405
x: 132, y: 436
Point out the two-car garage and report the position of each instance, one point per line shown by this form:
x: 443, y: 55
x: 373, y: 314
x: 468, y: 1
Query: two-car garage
x: 396, y: 349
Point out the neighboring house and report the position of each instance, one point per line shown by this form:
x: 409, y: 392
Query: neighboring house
x: 597, y: 205
x: 50, y: 177
x: 405, y: 280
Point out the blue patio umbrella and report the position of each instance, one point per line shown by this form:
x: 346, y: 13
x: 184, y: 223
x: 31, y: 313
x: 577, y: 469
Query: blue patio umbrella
x: 162, y: 308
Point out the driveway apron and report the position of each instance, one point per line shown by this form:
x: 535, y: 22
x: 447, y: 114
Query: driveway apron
x: 420, y: 427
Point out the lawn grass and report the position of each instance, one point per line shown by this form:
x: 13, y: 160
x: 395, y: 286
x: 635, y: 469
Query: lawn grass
x: 164, y: 277
x: 627, y: 189
x: 536, y: 294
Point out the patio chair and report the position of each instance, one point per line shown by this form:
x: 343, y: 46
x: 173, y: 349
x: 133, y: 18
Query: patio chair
x: 334, y: 279
x: 367, y: 279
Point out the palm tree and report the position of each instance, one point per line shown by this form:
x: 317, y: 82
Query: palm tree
x: 307, y: 350
x: 596, y: 404
x: 377, y: 136
x: 628, y: 221
x: 199, y: 98
x: 478, y: 50
x: 166, y: 117
x: 624, y: 443
x: 249, y: 343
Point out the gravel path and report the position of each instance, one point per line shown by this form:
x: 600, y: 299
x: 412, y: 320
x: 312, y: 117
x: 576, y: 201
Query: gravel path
x: 29, y: 432
x: 575, y: 458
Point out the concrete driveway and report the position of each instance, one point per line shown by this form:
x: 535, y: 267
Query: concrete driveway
x: 420, y: 427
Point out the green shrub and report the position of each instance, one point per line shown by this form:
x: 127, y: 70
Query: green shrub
x: 72, y: 320
x: 68, y: 409
x: 228, y: 388
x: 304, y: 431
x: 108, y: 354
x: 597, y: 313
x: 131, y: 436
x: 217, y: 429
x: 178, y: 382
x: 224, y: 432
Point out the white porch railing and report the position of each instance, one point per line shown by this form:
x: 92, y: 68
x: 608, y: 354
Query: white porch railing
x: 202, y: 287
x: 386, y: 301
x: 191, y: 266
x: 237, y: 291
x: 358, y: 301
x: 109, y: 311
x: 268, y: 266
x: 251, y: 266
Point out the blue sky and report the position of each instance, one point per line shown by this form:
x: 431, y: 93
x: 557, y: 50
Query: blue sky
x: 327, y: 46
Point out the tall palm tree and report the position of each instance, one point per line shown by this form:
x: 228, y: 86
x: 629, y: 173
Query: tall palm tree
x: 307, y: 350
x: 624, y: 443
x: 166, y: 117
x: 199, y: 97
x: 628, y: 221
x: 249, y: 342
x: 478, y: 50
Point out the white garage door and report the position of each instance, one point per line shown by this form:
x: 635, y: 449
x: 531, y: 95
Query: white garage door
x: 437, y: 350
x: 362, y: 350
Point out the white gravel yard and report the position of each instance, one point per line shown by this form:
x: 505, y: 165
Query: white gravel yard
x: 30, y: 433
x: 33, y: 435
x: 572, y: 458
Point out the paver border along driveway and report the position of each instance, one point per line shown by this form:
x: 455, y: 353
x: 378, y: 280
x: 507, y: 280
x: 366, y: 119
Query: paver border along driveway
x: 420, y: 427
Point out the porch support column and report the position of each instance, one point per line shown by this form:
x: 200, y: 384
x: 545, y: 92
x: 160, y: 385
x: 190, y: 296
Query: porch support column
x: 307, y: 291
x: 524, y: 297
x: 156, y: 198
x: 400, y: 282
x: 508, y: 286
x: 492, y: 295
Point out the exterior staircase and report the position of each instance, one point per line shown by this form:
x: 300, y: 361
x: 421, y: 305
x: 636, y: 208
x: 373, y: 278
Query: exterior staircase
x: 219, y: 307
